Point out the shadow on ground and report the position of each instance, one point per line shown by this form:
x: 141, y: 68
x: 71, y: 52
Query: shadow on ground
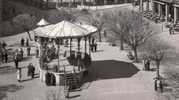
x: 111, y: 69
x: 8, y: 88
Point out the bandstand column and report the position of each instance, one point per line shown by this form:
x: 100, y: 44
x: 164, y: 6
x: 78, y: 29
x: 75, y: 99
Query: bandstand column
x: 89, y: 38
x: 153, y: 6
x: 70, y: 45
x: 79, y: 44
x: 58, y: 53
x: 105, y: 2
x: 141, y: 6
x: 147, y: 5
x: 85, y: 44
x: 78, y: 53
x: 115, y: 1
x: 166, y: 12
x: 175, y: 14
x: 82, y: 2
x: 159, y: 9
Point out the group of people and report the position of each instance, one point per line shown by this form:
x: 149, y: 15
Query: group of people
x: 158, y: 85
x: 19, y: 53
x: 3, y: 52
x: 146, y: 62
x: 23, y: 42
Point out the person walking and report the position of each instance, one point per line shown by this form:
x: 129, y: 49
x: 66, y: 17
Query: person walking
x: 29, y: 69
x: 21, y: 53
x: 37, y: 52
x: 27, y: 42
x: 22, y: 42
x: 173, y: 29
x: 16, y: 60
x: 93, y: 44
x: 170, y: 30
x: 3, y: 54
x: 95, y: 47
x: 161, y: 86
x: 4, y: 45
x: 33, y: 72
x: 6, y: 56
x: 19, y: 74
x: 28, y: 51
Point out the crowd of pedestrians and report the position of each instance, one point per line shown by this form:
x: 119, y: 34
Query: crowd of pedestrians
x: 17, y: 56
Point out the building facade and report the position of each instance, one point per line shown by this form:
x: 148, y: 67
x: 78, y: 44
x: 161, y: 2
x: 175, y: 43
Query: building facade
x: 167, y: 8
x: 52, y: 3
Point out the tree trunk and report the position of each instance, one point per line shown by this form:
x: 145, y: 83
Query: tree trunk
x: 47, y: 4
x: 61, y: 3
x: 158, y: 68
x: 121, y: 43
x: 135, y: 54
x: 29, y: 35
x: 99, y: 32
x: 141, y: 6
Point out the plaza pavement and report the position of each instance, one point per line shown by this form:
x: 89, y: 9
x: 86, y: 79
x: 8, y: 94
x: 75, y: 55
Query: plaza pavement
x: 112, y: 77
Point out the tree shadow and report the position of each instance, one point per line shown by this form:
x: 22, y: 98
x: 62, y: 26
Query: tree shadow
x: 110, y: 69
x: 74, y: 96
x: 8, y: 88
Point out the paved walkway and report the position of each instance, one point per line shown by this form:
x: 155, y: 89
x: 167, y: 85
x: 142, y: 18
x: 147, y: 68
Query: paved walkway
x: 116, y: 80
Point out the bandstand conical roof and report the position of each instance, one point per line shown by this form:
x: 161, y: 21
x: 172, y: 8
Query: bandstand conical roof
x: 43, y: 22
x: 68, y: 29
x: 43, y: 31
x: 65, y: 29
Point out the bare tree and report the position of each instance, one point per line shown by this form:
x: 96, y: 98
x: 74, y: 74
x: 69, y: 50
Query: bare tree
x: 116, y: 24
x: 156, y: 50
x: 60, y: 15
x: 137, y: 30
x: 98, y: 21
x: 26, y: 21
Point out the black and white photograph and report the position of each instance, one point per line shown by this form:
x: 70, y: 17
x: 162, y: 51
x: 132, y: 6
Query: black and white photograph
x: 89, y: 49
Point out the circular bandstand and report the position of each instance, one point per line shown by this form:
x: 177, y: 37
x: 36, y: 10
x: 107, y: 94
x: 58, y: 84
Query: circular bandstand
x: 65, y: 56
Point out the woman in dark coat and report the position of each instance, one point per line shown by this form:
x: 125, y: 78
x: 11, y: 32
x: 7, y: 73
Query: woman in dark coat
x: 29, y: 67
x: 16, y: 61
x: 6, y: 56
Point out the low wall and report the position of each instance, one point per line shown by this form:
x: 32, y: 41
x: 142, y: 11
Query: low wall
x: 58, y: 76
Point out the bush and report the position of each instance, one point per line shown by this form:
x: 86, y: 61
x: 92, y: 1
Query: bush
x: 85, y: 11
